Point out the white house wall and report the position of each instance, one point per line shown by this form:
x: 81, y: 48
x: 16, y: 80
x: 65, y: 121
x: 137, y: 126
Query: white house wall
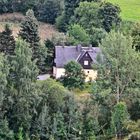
x: 58, y: 72
x: 91, y: 75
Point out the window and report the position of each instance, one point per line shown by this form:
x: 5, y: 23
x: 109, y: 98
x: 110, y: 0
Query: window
x: 85, y: 63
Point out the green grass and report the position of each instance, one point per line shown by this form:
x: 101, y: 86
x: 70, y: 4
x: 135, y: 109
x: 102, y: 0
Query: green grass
x: 130, y: 9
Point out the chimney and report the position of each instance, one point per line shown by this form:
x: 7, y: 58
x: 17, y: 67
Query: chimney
x: 90, y: 47
x: 79, y: 47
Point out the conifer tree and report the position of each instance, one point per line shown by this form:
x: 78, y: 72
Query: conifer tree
x: 3, y: 79
x: 5, y: 132
x: 7, y: 42
x: 24, y: 74
x: 29, y: 33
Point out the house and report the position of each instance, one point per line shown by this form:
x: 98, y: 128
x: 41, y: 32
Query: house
x: 86, y: 56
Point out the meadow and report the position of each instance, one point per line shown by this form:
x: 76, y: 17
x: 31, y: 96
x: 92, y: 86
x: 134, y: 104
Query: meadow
x: 130, y: 9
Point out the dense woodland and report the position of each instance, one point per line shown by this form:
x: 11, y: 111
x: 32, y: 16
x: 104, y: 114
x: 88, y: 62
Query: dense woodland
x: 50, y: 109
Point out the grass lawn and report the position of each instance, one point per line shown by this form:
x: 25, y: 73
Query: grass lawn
x: 83, y: 93
x: 130, y: 9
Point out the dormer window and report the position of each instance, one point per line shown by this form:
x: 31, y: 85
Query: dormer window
x: 86, y: 63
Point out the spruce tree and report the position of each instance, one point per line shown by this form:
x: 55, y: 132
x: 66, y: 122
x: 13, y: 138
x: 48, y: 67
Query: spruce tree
x: 29, y: 33
x: 7, y: 42
x: 29, y: 30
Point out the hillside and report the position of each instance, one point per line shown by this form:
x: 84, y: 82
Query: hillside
x: 130, y: 9
x: 14, y: 19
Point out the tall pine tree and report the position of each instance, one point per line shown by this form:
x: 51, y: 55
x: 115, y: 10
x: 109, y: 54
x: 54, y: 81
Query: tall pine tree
x: 29, y: 33
x: 7, y: 42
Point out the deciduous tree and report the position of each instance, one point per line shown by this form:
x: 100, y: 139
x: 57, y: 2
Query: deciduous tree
x: 22, y: 88
x: 78, y: 35
x: 74, y: 75
x: 136, y: 36
x: 110, y: 15
x: 119, y: 117
x: 116, y: 71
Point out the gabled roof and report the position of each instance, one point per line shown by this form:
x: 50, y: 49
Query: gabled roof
x: 65, y: 54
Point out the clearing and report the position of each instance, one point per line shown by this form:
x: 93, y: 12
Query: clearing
x: 130, y: 9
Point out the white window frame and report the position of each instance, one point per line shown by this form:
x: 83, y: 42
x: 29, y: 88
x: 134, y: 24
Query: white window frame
x: 86, y: 63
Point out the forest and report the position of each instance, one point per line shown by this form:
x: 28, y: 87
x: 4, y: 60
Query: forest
x: 105, y: 109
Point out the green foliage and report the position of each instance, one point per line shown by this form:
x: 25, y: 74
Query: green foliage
x: 20, y: 134
x: 50, y: 53
x: 60, y: 39
x: 116, y: 70
x: 4, y: 70
x: 133, y: 128
x: 74, y: 75
x: 115, y: 81
x: 78, y: 35
x: 118, y: 118
x: 7, y: 42
x: 48, y: 10
x: 63, y: 21
x: 125, y: 27
x: 96, y: 35
x: 29, y: 33
x: 22, y: 88
x: 60, y: 23
x: 41, y: 60
x: 109, y: 14
x: 10, y: 6
x: 58, y: 112
x: 5, y: 132
x: 136, y: 36
x: 89, y: 123
x: 86, y: 15
x: 70, y: 6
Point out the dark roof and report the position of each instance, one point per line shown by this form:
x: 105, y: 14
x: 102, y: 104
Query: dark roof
x: 65, y: 54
